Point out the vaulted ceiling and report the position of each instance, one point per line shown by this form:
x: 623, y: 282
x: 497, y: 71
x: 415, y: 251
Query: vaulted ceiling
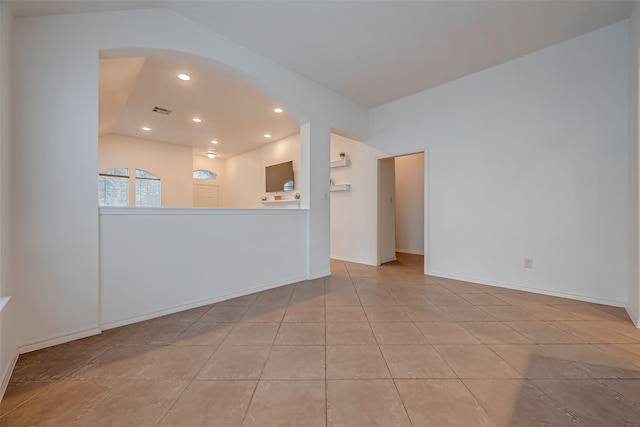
x: 231, y: 112
x: 371, y: 52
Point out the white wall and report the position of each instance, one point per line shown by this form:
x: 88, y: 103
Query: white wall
x: 155, y: 262
x: 354, y: 213
x: 410, y: 204
x: 55, y: 161
x: 633, y: 305
x: 246, y: 184
x: 245, y: 172
x: 527, y: 159
x: 8, y: 352
x: 172, y: 163
x: 315, y: 140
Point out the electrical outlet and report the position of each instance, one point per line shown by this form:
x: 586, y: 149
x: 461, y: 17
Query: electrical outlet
x: 528, y: 263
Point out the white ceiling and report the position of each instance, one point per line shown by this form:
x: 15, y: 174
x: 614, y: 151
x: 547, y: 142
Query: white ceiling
x: 371, y: 52
x: 374, y: 52
x: 233, y: 113
x: 116, y: 79
x: 22, y: 8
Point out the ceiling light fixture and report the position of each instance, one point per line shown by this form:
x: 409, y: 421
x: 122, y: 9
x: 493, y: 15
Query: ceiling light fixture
x: 278, y: 110
x: 214, y: 142
x: 197, y: 120
x: 146, y: 128
x: 267, y: 135
x: 184, y: 77
x: 211, y: 155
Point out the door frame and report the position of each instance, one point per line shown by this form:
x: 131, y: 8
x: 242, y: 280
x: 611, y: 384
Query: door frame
x: 427, y: 252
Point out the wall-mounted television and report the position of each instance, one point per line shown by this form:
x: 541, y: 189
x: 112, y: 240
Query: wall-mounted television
x: 279, y: 177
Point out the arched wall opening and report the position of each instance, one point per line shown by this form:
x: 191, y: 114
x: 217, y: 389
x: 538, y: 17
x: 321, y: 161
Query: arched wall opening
x: 194, y: 257
x: 54, y: 211
x: 175, y: 113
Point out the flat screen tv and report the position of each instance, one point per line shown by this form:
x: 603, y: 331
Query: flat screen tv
x: 279, y: 177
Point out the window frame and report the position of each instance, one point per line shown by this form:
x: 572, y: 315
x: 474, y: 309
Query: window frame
x: 153, y: 177
x: 107, y: 174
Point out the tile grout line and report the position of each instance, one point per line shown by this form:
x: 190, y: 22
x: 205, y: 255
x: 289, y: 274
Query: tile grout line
x: 63, y: 378
x: 387, y: 288
x: 558, y: 403
x: 246, y: 412
x: 393, y: 380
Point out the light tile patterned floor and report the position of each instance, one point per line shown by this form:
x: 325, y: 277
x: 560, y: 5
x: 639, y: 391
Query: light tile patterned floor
x: 365, y: 347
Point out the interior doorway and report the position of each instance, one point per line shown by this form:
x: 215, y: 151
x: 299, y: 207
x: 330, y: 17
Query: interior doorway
x: 402, y: 219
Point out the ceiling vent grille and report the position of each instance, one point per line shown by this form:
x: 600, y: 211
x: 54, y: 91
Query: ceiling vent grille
x: 161, y: 110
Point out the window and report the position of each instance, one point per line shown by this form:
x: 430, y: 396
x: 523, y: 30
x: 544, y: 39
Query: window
x: 113, y: 187
x: 288, y: 186
x: 205, y: 174
x: 147, y: 189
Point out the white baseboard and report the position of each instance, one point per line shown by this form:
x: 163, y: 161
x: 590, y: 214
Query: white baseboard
x: 319, y: 275
x: 410, y: 251
x: 529, y: 289
x: 354, y: 260
x: 194, y: 304
x: 49, y: 342
x: 633, y: 316
x: 4, y: 301
x: 6, y: 375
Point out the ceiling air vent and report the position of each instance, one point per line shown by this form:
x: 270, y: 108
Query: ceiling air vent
x: 161, y: 110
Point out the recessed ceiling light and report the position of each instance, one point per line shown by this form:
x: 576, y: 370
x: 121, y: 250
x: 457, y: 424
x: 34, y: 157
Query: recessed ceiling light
x: 184, y: 77
x: 278, y: 110
x: 211, y: 155
x: 214, y: 142
x: 197, y: 120
x: 146, y: 128
x: 267, y: 135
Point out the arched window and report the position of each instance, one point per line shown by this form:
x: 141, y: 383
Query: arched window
x: 113, y: 187
x: 205, y: 174
x: 147, y: 189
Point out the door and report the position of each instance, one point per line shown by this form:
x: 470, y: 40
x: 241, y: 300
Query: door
x: 205, y: 196
x: 386, y: 210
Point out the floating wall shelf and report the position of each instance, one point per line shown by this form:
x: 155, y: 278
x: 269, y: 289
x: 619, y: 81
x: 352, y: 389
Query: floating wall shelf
x: 288, y: 203
x: 341, y: 187
x: 339, y: 163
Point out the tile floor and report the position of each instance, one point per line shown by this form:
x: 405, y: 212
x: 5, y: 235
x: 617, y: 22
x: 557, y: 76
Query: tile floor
x: 368, y: 346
